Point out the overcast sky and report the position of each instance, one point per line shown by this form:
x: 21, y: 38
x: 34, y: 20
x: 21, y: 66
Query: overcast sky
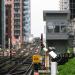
x: 37, y: 7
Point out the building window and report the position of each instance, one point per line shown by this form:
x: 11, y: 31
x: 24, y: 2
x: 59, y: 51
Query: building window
x: 50, y: 29
x: 16, y: 10
x: 16, y: 20
x: 17, y: 26
x: 56, y: 29
x: 17, y: 5
x: 63, y: 28
x: 25, y: 0
x: 16, y: 0
x: 16, y: 15
x: 17, y: 32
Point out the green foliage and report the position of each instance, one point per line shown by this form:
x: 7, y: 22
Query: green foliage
x: 68, y: 68
x: 70, y: 50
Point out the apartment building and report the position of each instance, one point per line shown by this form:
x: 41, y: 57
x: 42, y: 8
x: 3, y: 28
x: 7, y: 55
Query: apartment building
x: 13, y: 22
x: 8, y: 23
x: 2, y: 24
x: 18, y: 21
x: 68, y: 5
x: 64, y: 4
x: 26, y: 20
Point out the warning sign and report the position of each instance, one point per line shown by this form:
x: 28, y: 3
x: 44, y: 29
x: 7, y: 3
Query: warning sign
x: 36, y: 58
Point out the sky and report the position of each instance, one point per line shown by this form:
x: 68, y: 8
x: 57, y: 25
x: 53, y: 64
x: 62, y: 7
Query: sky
x: 37, y: 7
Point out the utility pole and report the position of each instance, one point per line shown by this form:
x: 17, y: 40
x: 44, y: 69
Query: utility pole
x: 9, y: 43
x: 42, y: 45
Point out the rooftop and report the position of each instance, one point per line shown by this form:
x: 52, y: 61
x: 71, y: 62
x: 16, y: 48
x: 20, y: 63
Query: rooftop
x: 48, y: 12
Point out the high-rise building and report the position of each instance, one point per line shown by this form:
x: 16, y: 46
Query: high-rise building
x: 26, y: 19
x: 8, y: 23
x: 68, y: 5
x: 72, y: 8
x: 2, y: 24
x: 13, y: 21
x: 64, y: 4
x: 17, y: 21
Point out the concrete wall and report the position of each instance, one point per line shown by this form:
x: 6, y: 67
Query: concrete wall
x: 57, y: 20
x: 60, y: 45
